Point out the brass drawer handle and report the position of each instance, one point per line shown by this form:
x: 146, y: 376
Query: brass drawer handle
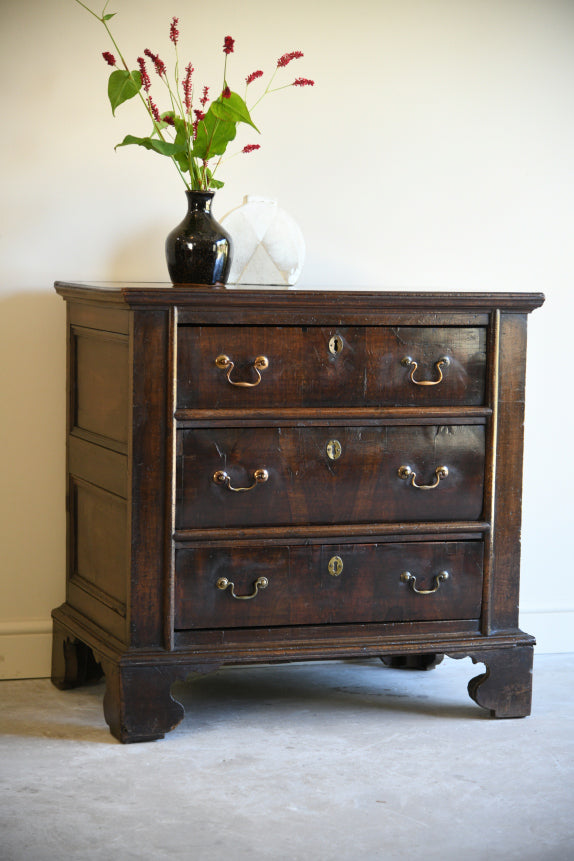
x: 221, y: 477
x: 410, y: 363
x: 259, y: 364
x: 405, y: 472
x: 407, y: 577
x: 261, y: 583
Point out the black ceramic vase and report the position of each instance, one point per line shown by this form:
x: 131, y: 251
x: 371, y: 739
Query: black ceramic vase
x: 198, y: 250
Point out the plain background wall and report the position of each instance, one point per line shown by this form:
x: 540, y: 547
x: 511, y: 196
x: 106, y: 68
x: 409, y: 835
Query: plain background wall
x: 435, y: 151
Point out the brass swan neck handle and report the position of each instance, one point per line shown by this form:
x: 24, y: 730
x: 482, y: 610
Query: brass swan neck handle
x: 439, y: 578
x: 223, y: 583
x: 259, y: 363
x: 406, y: 473
x: 223, y: 478
x: 409, y: 362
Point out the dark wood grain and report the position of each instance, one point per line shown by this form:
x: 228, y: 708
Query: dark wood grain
x: 100, y: 387
x: 151, y: 418
x: 505, y: 689
x: 306, y: 486
x: 366, y: 369
x: 508, y: 473
x: 149, y: 476
x: 302, y: 591
x: 138, y: 705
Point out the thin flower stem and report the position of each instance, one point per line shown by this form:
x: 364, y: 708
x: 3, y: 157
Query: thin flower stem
x: 266, y: 91
x: 87, y: 8
x: 218, y: 163
x: 102, y: 20
x: 282, y: 87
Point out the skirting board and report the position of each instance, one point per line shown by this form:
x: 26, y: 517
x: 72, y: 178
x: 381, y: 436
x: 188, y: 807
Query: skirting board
x: 25, y: 645
x: 553, y: 629
x: 25, y: 649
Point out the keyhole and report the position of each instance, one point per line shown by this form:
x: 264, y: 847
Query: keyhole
x: 335, y: 345
x: 334, y: 449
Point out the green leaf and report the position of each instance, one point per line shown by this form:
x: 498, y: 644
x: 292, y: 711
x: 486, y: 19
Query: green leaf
x: 182, y: 143
x: 122, y: 86
x: 211, y: 182
x: 171, y: 150
x: 108, y: 16
x: 213, y: 135
x: 233, y: 110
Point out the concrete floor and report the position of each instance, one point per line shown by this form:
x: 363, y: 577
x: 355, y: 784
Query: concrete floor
x: 338, y: 761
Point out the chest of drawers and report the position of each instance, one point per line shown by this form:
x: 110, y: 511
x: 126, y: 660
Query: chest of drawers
x: 265, y: 476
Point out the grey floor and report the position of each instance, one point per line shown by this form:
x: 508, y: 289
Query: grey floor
x: 338, y: 760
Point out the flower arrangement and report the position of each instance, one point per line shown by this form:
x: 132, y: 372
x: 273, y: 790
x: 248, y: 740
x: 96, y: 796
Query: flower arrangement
x: 193, y: 132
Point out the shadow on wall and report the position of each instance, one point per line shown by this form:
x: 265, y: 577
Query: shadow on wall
x: 32, y: 450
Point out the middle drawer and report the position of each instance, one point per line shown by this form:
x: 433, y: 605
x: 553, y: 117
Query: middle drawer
x: 265, y: 476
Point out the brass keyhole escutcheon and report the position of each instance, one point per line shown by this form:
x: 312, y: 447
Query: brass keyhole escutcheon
x: 334, y: 449
x: 335, y: 566
x: 335, y: 345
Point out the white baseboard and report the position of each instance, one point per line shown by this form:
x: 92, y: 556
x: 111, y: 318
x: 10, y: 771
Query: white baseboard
x: 554, y: 630
x: 25, y: 645
x: 25, y: 649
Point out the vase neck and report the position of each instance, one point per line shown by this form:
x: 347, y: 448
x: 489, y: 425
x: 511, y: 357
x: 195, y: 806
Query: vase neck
x: 199, y: 201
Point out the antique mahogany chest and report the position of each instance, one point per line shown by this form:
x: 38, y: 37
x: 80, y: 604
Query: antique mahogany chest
x: 283, y: 475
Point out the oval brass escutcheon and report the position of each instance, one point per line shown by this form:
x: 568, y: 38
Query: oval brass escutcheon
x: 334, y: 449
x: 335, y: 345
x: 335, y: 566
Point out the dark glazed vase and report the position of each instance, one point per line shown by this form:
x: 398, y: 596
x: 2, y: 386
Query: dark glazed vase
x: 198, y: 250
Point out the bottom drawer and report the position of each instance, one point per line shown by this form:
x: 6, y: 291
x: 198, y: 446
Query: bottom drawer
x: 261, y: 586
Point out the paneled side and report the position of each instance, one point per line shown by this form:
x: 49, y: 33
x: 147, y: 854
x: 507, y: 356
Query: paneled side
x: 94, y: 316
x: 99, y: 386
x: 98, y: 555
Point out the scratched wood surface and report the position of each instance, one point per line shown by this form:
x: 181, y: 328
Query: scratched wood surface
x: 330, y: 366
x: 306, y: 487
x: 302, y: 591
x: 152, y: 418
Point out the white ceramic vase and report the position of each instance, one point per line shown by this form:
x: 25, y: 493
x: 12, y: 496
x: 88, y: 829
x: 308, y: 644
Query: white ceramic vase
x: 268, y: 246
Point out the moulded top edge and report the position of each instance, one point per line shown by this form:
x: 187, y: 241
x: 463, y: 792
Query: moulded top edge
x: 195, y: 297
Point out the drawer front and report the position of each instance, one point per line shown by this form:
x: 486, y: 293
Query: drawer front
x: 323, y: 475
x: 329, y: 367
x: 335, y: 584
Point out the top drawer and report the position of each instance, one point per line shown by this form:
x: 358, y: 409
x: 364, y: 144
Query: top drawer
x: 259, y: 367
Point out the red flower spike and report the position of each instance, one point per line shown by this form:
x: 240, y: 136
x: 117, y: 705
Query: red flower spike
x: 159, y: 64
x: 167, y: 118
x: 187, y: 88
x: 286, y: 58
x: 226, y: 93
x: 173, y: 31
x: 205, y: 97
x: 253, y: 77
x: 228, y: 44
x: 146, y: 83
x: 303, y: 82
x: 199, y: 115
x: 251, y: 148
x: 109, y: 58
x: 153, y: 109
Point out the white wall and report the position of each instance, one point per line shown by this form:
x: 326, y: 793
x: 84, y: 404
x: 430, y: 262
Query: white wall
x: 436, y: 150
